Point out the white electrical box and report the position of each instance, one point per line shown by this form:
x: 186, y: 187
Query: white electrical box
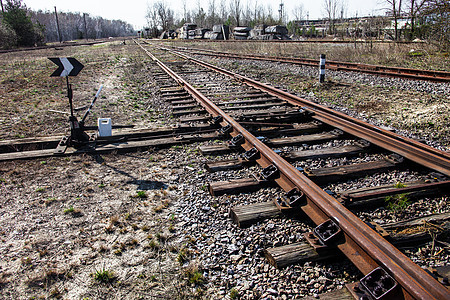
x: 104, y: 127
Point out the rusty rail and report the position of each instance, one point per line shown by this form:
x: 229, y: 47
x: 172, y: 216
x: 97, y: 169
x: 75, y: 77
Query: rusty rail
x: 431, y: 75
x: 363, y: 246
x: 415, y: 151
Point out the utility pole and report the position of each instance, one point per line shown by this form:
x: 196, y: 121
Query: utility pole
x: 85, y: 27
x: 57, y: 25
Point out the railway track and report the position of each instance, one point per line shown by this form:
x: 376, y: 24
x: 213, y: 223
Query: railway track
x: 417, y: 74
x: 311, y: 41
x: 371, y: 253
x: 280, y: 137
x: 59, y: 46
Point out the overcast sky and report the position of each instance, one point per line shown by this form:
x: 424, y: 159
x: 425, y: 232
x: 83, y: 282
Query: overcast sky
x: 133, y: 11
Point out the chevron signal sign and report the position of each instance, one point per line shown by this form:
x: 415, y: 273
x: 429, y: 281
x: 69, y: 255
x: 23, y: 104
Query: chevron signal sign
x: 67, y: 66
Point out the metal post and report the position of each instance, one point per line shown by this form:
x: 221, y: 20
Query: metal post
x: 57, y: 25
x: 322, y: 68
x: 223, y: 32
x: 90, y: 106
x: 69, y: 95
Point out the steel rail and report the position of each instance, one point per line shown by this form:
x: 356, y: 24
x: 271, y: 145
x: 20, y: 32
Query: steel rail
x: 310, y: 41
x: 413, y: 150
x: 363, y: 246
x: 432, y: 75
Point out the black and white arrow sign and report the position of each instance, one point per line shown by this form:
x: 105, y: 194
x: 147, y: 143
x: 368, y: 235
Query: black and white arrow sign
x: 67, y: 66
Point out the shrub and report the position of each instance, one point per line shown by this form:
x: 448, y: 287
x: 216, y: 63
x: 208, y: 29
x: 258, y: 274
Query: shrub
x: 8, y: 37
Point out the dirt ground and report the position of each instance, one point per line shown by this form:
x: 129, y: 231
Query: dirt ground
x: 76, y: 227
x: 95, y: 226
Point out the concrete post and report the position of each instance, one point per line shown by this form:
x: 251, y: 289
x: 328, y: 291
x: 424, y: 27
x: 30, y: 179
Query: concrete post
x: 322, y: 68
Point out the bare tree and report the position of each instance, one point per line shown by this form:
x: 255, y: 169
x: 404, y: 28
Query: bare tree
x: 247, y: 15
x: 73, y: 26
x: 395, y: 10
x: 235, y: 8
x: 331, y: 9
x: 152, y: 20
x: 223, y: 12
x: 436, y: 15
x: 165, y: 15
x: 269, y: 18
x: 159, y: 16
x: 200, y: 15
x: 211, y: 19
x: 298, y: 12
x: 414, y: 8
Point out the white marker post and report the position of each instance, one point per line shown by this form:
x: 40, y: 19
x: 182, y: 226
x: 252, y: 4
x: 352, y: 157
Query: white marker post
x: 322, y: 68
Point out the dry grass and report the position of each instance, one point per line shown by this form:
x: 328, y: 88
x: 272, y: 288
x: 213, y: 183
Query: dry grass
x: 389, y: 54
x: 65, y: 218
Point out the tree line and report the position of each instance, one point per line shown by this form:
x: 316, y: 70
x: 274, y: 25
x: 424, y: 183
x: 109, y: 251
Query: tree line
x: 79, y: 26
x: 426, y: 19
x: 161, y: 17
x: 22, y: 27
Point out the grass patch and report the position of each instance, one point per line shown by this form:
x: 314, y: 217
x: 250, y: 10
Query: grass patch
x: 73, y: 211
x: 141, y: 194
x: 49, y: 201
x: 182, y: 256
x: 69, y: 210
x: 397, y: 203
x: 164, y: 204
x: 104, y: 276
x: 399, y: 185
x: 153, y: 244
x: 193, y: 275
x: 234, y: 294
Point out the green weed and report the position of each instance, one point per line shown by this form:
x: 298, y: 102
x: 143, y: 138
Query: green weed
x: 182, y: 256
x: 234, y: 294
x: 49, y: 201
x: 399, y: 185
x: 397, y: 202
x: 69, y: 210
x: 141, y: 194
x: 104, y: 276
